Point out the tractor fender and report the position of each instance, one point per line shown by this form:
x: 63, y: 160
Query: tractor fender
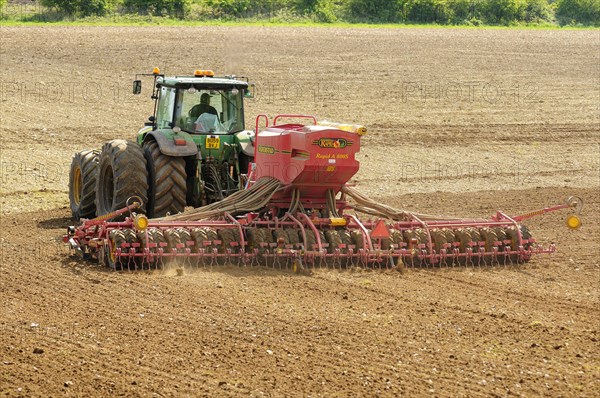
x: 166, y: 142
x: 143, y: 131
x: 245, y: 138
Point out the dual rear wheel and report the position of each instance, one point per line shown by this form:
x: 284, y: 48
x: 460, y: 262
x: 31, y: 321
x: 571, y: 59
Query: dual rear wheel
x: 100, y: 182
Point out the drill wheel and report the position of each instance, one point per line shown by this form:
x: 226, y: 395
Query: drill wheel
x: 228, y: 236
x: 117, y: 237
x: 413, y: 238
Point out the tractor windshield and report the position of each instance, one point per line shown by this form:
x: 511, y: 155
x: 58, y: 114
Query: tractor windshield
x: 210, y: 111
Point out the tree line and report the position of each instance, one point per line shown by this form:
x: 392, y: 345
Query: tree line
x: 457, y: 12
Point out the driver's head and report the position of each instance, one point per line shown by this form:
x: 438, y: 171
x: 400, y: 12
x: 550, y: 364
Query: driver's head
x: 205, y: 99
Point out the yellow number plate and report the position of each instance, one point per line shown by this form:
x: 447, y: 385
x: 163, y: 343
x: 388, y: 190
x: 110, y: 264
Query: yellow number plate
x: 213, y: 142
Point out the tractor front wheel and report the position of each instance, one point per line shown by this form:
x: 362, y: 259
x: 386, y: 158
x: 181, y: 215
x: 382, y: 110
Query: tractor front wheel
x: 82, y: 184
x: 122, y: 174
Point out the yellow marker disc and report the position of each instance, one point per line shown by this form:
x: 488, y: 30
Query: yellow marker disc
x: 573, y: 222
x: 140, y: 222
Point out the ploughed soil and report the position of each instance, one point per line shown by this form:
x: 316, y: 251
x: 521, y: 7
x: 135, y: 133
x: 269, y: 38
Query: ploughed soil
x: 461, y: 122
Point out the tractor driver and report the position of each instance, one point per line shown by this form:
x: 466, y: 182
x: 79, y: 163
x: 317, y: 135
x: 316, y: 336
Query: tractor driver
x: 203, y: 107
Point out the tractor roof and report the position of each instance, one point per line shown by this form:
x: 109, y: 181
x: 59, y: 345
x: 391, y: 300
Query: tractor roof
x: 208, y: 81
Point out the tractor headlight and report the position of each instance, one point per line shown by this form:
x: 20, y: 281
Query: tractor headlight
x: 140, y: 222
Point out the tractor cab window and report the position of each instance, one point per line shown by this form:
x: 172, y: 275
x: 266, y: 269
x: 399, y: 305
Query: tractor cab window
x: 165, y: 108
x: 208, y: 111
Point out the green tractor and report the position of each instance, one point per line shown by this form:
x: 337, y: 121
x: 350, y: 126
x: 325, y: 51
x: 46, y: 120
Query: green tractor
x: 194, y: 150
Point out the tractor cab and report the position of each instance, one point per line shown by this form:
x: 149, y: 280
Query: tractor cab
x: 200, y: 104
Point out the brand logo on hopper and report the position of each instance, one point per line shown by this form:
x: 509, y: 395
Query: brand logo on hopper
x: 335, y: 143
x: 266, y: 149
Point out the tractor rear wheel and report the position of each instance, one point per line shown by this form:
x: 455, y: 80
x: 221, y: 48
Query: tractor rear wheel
x: 82, y: 184
x: 166, y: 182
x: 122, y: 174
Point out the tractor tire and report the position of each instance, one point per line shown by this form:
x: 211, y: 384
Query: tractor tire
x: 167, y: 187
x: 82, y: 184
x: 122, y: 174
x: 244, y: 162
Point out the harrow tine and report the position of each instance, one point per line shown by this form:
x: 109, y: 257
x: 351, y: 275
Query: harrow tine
x: 201, y: 257
x: 285, y: 258
x: 228, y: 257
x: 507, y: 260
x: 232, y: 259
x: 389, y: 264
x: 321, y: 259
x: 213, y: 258
x: 350, y: 259
x: 306, y: 260
x: 131, y: 259
x: 186, y: 260
x: 161, y: 252
x: 379, y: 260
x: 276, y: 259
x: 336, y: 258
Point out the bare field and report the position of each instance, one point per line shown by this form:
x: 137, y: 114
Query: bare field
x: 461, y: 122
